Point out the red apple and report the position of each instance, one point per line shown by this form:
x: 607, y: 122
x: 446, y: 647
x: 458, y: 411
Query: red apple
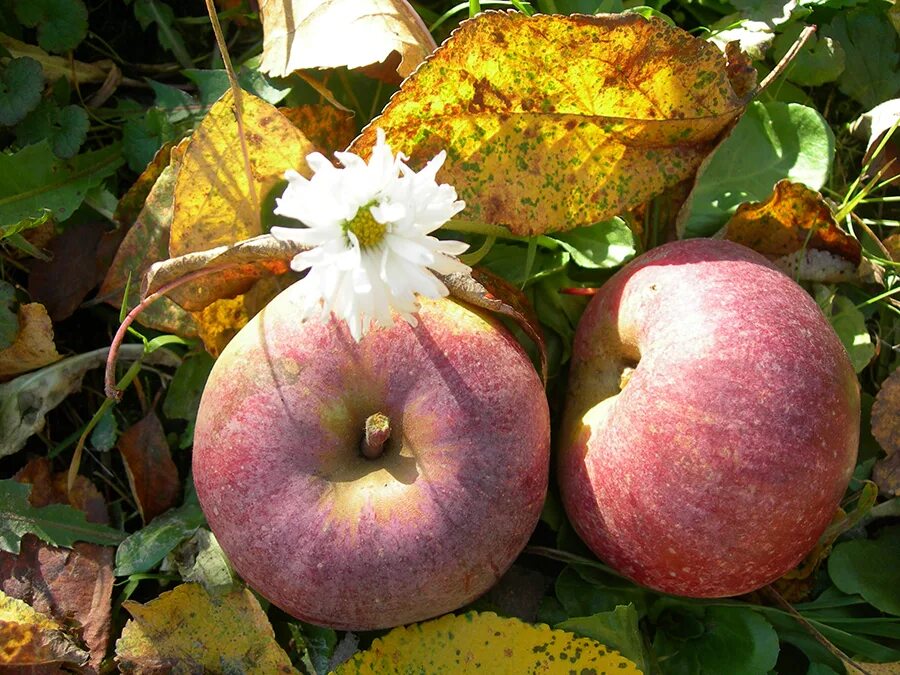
x: 712, y: 421
x: 426, y: 522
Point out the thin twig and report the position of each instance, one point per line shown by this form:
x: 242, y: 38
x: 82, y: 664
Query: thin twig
x: 238, y: 101
x: 782, y: 65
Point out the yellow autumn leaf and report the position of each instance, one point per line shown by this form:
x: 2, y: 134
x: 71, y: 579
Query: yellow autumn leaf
x: 33, y: 347
x: 795, y: 229
x: 550, y: 122
x: 482, y: 642
x: 186, y: 630
x: 29, y: 638
x: 300, y: 34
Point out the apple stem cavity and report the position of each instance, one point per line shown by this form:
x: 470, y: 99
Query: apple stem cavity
x: 378, y: 429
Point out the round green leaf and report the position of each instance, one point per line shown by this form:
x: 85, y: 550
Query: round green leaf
x: 61, y: 24
x: 821, y: 60
x: 869, y: 567
x: 21, y: 83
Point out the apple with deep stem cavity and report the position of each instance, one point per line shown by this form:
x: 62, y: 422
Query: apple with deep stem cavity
x: 711, y: 424
x: 367, y: 485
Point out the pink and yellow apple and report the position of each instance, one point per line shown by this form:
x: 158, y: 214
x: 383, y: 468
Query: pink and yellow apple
x: 711, y: 424
x: 420, y: 520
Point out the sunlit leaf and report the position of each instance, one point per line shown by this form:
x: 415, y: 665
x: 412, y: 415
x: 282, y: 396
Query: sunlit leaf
x: 555, y: 122
x: 483, y: 642
x: 188, y: 628
x: 300, y: 34
x: 795, y: 228
x: 151, y: 472
x: 617, y: 628
x: 850, y: 325
x: 326, y: 127
x: 33, y: 347
x: 143, y: 550
x: 873, y: 126
x: 201, y: 559
x: 820, y: 61
x: 29, y: 638
x: 65, y: 584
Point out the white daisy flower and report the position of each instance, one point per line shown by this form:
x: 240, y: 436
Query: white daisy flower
x: 368, y: 227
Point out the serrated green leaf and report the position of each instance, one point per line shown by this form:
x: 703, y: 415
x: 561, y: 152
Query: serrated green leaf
x: 66, y: 128
x: 145, y: 549
x: 56, y: 524
x: 177, y: 104
x: 21, y: 84
x: 850, y: 325
x: 617, y: 628
x: 33, y: 180
x: 869, y: 567
x: 9, y: 319
x: 872, y: 71
x: 154, y: 12
x: 821, y: 60
x: 772, y: 141
x: 599, y: 246
x: 61, y: 24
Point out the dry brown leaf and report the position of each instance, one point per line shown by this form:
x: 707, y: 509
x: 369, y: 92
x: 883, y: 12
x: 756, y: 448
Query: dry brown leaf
x: 66, y: 584
x: 147, y: 241
x: 795, y: 229
x: 33, y: 347
x: 55, y: 67
x: 886, y: 414
x: 199, y: 633
x: 152, y: 474
x: 300, y: 34
x: 29, y: 638
x: 873, y: 126
x: 886, y: 475
x: 538, y: 147
x: 238, y: 268
x: 326, y: 127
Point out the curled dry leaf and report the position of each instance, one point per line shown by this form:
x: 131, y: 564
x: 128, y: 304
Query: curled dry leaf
x: 29, y: 638
x: 237, y: 267
x: 795, y: 229
x: 152, y: 474
x: 188, y: 628
x: 886, y: 414
x: 886, y: 475
x: 484, y: 642
x: 489, y: 291
x: 300, y: 34
x: 561, y: 121
x: 64, y: 584
x: 33, y: 347
x: 873, y: 126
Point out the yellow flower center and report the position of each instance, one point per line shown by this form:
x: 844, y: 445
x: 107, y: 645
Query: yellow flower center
x: 369, y: 232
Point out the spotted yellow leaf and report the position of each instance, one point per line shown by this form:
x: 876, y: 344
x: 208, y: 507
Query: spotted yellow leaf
x: 550, y: 122
x: 187, y: 630
x: 29, y: 638
x: 484, y: 643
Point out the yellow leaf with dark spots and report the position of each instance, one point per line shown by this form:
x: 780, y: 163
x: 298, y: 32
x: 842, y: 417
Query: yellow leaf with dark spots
x: 795, y: 229
x: 29, y: 638
x: 186, y: 630
x: 551, y: 122
x: 484, y: 643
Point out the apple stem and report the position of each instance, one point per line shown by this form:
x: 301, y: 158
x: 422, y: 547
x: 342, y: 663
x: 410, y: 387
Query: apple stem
x: 378, y: 429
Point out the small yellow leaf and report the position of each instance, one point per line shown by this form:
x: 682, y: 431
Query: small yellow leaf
x: 484, y: 643
x: 551, y: 122
x: 33, y: 347
x: 29, y: 638
x: 214, y: 202
x: 795, y: 229
x: 188, y: 628
x: 300, y: 34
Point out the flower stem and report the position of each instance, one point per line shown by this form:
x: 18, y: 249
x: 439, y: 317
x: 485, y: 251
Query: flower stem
x: 378, y: 429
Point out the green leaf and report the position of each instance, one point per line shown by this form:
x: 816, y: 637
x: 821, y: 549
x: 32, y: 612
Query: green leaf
x: 599, y: 246
x: 21, y: 84
x: 872, y: 72
x: 869, y: 567
x: 617, y: 629
x: 583, y: 592
x: 820, y: 61
x: 143, y: 136
x: 850, y: 325
x: 771, y: 142
x: 183, y: 396
x: 145, y: 549
x: 105, y: 434
x: 201, y: 559
x: 152, y: 11
x: 511, y: 263
x: 66, y: 128
x: 56, y: 524
x: 9, y: 318
x: 61, y: 24
x: 318, y: 643
x: 33, y: 180
x: 213, y: 83
x: 733, y: 640
x: 177, y: 104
